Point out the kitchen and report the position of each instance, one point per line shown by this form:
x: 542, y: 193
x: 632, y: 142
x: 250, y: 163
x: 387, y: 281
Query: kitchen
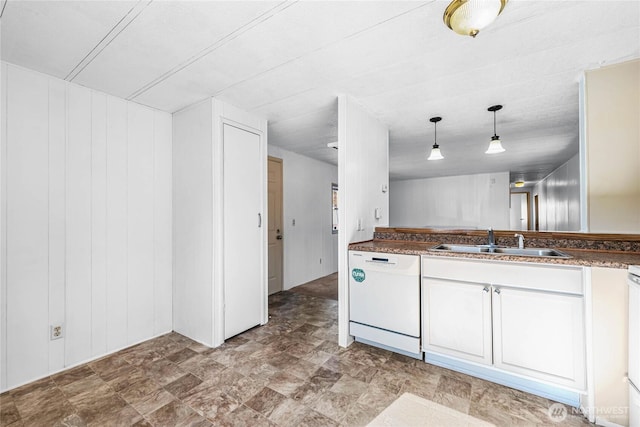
x: 171, y: 306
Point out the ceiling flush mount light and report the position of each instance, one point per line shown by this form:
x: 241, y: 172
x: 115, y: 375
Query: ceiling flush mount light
x: 468, y: 17
x: 495, y: 146
x: 519, y: 184
x: 435, y: 150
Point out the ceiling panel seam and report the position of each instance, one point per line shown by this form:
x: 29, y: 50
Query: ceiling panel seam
x: 4, y: 5
x: 117, y: 29
x: 218, y: 44
x: 364, y: 30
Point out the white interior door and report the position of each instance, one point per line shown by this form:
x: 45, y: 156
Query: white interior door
x: 519, y: 211
x: 243, y: 220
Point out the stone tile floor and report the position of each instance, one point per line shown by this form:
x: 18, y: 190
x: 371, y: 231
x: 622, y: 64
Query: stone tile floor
x: 290, y: 372
x: 324, y: 287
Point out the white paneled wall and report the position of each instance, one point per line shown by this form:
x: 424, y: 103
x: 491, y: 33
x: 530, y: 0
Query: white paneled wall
x: 467, y: 201
x: 559, y: 198
x: 363, y: 171
x: 193, y: 222
x: 307, y: 200
x: 87, y: 212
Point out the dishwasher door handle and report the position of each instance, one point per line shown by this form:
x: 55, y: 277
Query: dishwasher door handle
x: 384, y: 261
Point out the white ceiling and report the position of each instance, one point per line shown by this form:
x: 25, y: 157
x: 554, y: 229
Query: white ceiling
x: 287, y: 61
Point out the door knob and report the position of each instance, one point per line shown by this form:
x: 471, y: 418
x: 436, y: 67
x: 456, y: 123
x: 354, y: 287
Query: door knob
x: 279, y: 237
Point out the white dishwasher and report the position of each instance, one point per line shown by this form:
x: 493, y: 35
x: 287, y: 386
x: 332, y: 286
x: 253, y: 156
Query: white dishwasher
x: 384, y: 301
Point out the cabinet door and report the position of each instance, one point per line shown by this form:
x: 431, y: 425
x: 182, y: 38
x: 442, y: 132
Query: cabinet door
x: 540, y: 334
x: 457, y: 319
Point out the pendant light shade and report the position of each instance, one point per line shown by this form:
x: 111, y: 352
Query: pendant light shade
x: 435, y: 153
x: 435, y: 150
x: 468, y: 17
x: 495, y: 146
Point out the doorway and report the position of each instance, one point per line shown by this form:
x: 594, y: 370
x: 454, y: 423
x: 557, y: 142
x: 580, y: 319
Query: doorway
x: 275, y: 254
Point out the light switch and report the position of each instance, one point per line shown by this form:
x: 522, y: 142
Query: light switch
x: 378, y: 213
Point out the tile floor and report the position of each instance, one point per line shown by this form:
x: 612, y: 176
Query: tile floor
x: 290, y: 372
x: 324, y: 287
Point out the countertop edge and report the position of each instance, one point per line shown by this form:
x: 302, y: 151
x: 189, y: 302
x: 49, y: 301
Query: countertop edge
x: 581, y: 258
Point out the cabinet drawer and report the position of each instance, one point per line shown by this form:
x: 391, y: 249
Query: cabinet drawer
x: 543, y: 277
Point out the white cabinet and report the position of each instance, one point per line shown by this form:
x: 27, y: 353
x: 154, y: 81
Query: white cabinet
x: 539, y: 334
x: 520, y: 318
x: 457, y: 319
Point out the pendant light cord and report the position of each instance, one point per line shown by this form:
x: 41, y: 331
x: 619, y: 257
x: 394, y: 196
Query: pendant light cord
x: 435, y: 133
x: 494, y: 122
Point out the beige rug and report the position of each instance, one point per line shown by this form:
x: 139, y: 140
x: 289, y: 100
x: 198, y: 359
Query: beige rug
x: 410, y: 410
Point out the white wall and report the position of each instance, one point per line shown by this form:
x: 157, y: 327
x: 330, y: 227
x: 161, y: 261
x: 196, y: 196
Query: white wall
x: 467, y: 201
x: 363, y: 170
x: 199, y: 229
x: 612, y: 108
x: 193, y: 222
x: 86, y: 224
x: 610, y: 311
x: 307, y: 200
x: 559, y: 198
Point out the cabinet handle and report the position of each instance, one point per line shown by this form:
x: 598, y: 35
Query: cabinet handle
x: 485, y: 289
x: 259, y: 220
x: 497, y: 291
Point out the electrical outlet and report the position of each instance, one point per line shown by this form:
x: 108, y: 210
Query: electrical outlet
x: 56, y: 332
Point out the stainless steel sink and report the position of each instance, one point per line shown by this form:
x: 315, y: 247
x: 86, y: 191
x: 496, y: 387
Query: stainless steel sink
x: 474, y: 249
x: 532, y: 252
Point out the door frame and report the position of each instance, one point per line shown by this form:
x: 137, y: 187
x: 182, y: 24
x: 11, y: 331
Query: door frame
x: 222, y: 116
x: 277, y: 160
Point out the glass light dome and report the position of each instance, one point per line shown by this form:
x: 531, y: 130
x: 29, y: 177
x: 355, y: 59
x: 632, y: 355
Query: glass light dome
x: 468, y: 17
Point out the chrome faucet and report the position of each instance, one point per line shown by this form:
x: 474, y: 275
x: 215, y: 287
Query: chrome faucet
x: 490, y: 238
x: 520, y: 241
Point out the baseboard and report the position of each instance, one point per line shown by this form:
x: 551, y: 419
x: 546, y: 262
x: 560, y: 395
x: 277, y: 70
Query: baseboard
x: 604, y: 423
x: 558, y: 394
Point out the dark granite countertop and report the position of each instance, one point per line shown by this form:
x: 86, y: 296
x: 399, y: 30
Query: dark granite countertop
x: 580, y: 257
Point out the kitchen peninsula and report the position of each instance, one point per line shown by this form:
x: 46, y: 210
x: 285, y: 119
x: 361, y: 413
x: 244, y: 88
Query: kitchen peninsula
x: 550, y: 325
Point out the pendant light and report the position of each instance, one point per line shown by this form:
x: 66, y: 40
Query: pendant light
x: 468, y: 17
x: 495, y: 146
x: 435, y: 151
